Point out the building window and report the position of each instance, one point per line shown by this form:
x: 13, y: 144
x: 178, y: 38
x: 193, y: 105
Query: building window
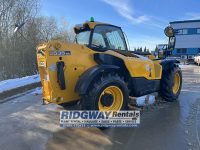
x: 181, y: 31
x: 184, y: 31
x: 192, y: 31
x: 188, y: 31
x: 198, y: 31
x: 181, y: 50
x: 178, y: 31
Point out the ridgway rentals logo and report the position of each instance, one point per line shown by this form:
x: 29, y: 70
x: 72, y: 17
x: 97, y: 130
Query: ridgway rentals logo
x: 99, y: 119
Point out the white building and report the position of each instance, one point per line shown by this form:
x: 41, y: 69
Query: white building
x: 187, y: 35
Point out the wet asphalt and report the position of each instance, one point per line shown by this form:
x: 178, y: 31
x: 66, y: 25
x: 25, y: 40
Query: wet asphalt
x: 27, y: 124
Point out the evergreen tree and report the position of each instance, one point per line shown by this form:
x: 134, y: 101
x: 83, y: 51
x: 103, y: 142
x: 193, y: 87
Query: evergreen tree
x: 156, y: 49
x: 145, y: 49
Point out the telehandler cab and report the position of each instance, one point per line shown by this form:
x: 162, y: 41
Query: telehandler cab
x: 98, y: 70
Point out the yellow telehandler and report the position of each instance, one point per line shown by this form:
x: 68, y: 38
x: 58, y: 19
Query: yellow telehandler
x: 100, y: 71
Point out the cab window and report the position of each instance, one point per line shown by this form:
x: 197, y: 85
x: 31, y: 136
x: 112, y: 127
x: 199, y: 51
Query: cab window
x: 83, y: 38
x: 98, y: 41
x: 108, y: 37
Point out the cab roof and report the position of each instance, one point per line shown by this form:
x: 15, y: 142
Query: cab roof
x: 89, y: 25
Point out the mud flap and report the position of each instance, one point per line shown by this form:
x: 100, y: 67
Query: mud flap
x: 60, y: 74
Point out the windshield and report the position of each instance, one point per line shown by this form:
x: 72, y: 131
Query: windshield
x: 108, y: 37
x: 83, y: 38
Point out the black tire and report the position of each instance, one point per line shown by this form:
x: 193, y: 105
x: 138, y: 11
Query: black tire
x: 90, y: 100
x: 167, y: 83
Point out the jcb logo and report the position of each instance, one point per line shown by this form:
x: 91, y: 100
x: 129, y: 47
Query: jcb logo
x: 59, y: 53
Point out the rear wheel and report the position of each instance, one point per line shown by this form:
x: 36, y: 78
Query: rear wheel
x: 110, y: 93
x: 171, y: 84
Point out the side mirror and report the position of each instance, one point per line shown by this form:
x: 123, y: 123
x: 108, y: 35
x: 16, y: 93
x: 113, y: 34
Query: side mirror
x: 169, y: 31
x: 17, y: 27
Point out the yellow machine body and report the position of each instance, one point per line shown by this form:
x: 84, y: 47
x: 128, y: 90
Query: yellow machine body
x: 78, y: 59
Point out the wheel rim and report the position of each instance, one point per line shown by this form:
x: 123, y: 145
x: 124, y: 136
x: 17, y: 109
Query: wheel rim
x: 176, y: 85
x: 116, y: 102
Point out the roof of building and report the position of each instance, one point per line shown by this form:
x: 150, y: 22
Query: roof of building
x: 184, y: 21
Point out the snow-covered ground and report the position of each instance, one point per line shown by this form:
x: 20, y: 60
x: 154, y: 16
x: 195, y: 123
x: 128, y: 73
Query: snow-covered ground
x: 10, y: 84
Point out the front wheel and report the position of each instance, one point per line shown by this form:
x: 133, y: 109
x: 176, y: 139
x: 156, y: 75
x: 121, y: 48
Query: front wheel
x: 171, y: 84
x: 109, y: 93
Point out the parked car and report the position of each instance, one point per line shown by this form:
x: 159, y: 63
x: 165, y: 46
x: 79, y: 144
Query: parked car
x: 197, y: 59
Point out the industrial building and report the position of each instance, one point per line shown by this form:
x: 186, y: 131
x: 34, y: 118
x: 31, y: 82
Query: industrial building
x: 187, y: 35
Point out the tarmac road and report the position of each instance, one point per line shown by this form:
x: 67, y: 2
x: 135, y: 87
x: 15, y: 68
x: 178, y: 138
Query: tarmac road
x: 26, y: 124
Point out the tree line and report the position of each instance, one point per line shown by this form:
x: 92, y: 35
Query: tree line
x: 140, y: 49
x: 18, y: 50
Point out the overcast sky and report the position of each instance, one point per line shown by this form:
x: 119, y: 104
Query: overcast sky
x: 142, y: 20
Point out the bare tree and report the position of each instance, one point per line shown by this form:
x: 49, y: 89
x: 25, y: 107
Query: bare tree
x: 18, y: 51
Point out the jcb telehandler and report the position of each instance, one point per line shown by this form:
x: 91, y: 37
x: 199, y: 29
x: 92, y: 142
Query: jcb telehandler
x: 98, y: 70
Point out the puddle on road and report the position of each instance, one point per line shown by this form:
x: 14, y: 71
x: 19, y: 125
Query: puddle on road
x: 192, y: 128
x: 190, y: 106
x: 79, y: 138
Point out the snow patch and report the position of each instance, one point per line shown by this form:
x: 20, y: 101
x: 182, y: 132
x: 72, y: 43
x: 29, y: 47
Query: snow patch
x: 145, y: 100
x: 151, y: 99
x: 141, y: 100
x: 10, y: 84
x: 37, y: 91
